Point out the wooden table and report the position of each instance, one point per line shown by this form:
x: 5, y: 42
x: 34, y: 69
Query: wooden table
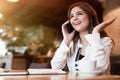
x: 68, y: 76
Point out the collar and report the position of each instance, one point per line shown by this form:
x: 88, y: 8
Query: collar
x: 79, y: 45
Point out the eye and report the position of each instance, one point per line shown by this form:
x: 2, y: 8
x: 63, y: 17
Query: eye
x: 79, y: 13
x: 71, y: 16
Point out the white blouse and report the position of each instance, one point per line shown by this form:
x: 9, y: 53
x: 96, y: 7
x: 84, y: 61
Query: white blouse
x: 98, y: 50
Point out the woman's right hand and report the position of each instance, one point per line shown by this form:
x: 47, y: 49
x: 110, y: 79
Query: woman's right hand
x: 67, y: 37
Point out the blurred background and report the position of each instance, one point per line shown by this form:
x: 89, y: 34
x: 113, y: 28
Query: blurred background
x: 26, y: 23
x: 24, y: 20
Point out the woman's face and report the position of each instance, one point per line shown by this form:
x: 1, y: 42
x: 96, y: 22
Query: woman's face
x: 79, y: 19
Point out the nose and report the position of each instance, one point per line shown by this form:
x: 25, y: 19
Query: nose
x: 75, y: 17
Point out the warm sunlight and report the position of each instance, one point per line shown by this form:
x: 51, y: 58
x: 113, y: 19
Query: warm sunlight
x: 13, y: 0
x: 1, y: 15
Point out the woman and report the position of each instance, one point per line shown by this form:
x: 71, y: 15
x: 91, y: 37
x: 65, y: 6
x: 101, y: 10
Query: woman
x: 86, y: 42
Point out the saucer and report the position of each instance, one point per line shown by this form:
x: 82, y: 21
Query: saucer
x: 89, y: 73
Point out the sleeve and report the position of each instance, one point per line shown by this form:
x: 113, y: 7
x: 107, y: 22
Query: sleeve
x: 60, y: 58
x: 100, y: 50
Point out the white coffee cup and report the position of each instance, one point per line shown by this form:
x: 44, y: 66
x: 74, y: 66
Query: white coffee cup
x: 86, y: 66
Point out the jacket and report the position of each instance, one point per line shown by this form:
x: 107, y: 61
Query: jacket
x: 99, y: 50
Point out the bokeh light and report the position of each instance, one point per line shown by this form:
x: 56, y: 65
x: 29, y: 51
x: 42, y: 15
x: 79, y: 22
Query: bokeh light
x: 13, y: 0
x: 1, y: 15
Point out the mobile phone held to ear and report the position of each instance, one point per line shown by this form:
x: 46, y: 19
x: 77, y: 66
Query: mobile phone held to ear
x: 69, y: 27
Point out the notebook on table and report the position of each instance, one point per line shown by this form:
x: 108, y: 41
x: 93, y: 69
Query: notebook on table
x: 13, y: 72
x: 45, y: 71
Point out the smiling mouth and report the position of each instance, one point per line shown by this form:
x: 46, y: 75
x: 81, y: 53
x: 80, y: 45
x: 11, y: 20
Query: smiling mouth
x: 76, y: 23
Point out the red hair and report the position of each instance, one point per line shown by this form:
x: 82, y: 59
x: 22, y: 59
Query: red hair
x: 89, y: 11
x: 92, y: 15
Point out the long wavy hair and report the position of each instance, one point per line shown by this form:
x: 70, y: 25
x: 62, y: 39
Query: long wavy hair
x: 93, y: 19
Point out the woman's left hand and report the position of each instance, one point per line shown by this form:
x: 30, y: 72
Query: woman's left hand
x: 102, y: 25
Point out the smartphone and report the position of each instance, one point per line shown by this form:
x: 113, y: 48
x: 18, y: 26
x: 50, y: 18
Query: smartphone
x: 69, y: 27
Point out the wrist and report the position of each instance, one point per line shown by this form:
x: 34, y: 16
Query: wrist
x: 95, y: 31
x: 67, y: 42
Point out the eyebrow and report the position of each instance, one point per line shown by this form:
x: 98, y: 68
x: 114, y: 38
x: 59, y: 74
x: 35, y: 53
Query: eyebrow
x: 78, y: 11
